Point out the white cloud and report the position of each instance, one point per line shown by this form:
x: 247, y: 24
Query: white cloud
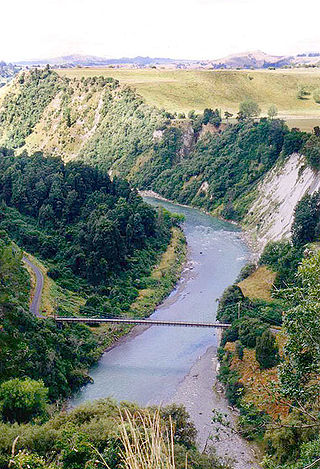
x: 176, y: 28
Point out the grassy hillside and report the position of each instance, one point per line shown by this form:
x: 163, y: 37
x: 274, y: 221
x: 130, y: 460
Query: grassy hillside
x: 182, y: 90
x: 42, y: 111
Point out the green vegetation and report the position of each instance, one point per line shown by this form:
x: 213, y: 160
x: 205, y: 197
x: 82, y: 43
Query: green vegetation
x: 291, y: 432
x: 305, y: 228
x: 249, y: 109
x: 266, y: 350
x: 96, y: 235
x: 284, y: 259
x: 221, y: 169
x: 198, y: 161
x: 39, y: 88
x: 33, y: 348
x: 101, y: 435
x: 22, y: 400
x: 312, y: 151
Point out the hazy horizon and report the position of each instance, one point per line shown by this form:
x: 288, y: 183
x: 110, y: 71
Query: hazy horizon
x: 179, y: 29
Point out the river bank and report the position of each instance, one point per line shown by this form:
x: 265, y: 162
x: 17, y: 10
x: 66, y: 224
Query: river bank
x: 201, y: 392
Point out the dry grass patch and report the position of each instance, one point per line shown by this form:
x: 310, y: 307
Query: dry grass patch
x: 257, y: 382
x: 259, y: 284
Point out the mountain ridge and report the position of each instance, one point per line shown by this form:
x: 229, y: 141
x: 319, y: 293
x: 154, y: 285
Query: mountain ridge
x: 246, y: 59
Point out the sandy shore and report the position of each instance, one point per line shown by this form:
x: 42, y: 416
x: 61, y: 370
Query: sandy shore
x: 200, y: 392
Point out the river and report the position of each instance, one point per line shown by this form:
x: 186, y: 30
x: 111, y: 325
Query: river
x: 149, y: 367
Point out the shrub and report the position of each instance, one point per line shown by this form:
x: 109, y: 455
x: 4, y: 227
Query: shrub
x: 311, y: 150
x: 22, y: 400
x: 305, y: 227
x: 239, y: 349
x: 293, y: 142
x: 234, y: 391
x: 284, y: 259
x: 228, y: 304
x: 246, y: 271
x: 249, y: 330
x: 267, y: 351
x: 230, y: 335
x: 248, y: 109
x: 316, y: 95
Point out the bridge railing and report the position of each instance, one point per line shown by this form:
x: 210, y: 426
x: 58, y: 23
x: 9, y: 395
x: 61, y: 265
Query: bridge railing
x: 151, y: 322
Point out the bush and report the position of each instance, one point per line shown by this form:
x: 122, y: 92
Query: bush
x: 22, y: 400
x: 234, y: 391
x: 316, y: 95
x: 284, y: 259
x: 305, y: 227
x: 230, y: 335
x: 228, y: 303
x: 248, y: 109
x: 239, y: 350
x: 292, y: 142
x: 252, y: 421
x: 311, y: 150
x: 246, y: 271
x: 249, y: 330
x: 267, y: 351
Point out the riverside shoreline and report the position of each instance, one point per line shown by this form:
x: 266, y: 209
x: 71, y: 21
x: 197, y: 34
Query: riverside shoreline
x: 201, y: 392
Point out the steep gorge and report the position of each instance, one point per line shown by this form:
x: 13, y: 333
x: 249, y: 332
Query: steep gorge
x: 250, y: 172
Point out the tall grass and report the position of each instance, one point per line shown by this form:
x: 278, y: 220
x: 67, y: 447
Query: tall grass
x: 147, y: 443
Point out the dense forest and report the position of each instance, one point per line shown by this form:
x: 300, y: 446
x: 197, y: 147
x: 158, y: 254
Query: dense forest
x: 96, y: 235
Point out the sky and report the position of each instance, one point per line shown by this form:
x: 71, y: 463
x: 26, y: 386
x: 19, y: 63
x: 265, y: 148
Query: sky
x: 188, y: 29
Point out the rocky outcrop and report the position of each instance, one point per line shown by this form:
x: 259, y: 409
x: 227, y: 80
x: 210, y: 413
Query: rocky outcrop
x: 271, y: 215
x: 188, y: 139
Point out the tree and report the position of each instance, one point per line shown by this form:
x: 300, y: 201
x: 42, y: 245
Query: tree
x: 316, y: 95
x: 22, y: 400
x: 272, y: 111
x: 227, y: 115
x: 192, y: 114
x: 248, y: 109
x: 249, y: 330
x: 24, y: 460
x: 300, y: 370
x: 311, y: 150
x: 306, y: 218
x: 212, y: 117
x: 266, y: 350
x: 302, y: 92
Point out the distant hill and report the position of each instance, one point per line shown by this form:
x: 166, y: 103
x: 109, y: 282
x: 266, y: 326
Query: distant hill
x: 256, y: 59
x: 77, y: 60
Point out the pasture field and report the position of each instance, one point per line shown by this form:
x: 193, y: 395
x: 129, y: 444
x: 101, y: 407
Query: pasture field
x: 183, y: 90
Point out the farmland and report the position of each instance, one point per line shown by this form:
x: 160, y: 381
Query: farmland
x: 182, y: 90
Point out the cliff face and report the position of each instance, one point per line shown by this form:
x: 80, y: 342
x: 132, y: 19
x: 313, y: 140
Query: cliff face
x: 271, y: 215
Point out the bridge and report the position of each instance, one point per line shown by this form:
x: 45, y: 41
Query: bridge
x: 149, y: 322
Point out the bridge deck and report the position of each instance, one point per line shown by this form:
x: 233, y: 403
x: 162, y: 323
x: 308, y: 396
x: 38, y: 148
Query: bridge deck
x: 151, y: 322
